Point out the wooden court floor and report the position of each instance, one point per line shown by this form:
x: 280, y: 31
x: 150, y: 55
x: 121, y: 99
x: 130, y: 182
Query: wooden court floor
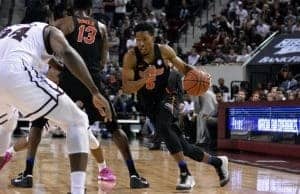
x: 51, y: 174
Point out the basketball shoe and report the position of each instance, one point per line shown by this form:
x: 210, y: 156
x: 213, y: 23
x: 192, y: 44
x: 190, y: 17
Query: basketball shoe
x: 137, y: 182
x: 24, y: 181
x: 186, y: 182
x: 106, y: 174
x: 223, y: 171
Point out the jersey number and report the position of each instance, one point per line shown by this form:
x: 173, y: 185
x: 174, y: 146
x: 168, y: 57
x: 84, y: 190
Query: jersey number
x: 89, y: 36
x: 18, y: 34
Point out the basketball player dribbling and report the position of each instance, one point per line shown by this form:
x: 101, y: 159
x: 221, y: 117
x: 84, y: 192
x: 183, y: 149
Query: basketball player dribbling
x: 88, y: 37
x: 146, y: 72
x: 22, y: 46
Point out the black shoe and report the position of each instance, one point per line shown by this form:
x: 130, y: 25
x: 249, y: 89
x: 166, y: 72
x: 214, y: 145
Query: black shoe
x: 223, y: 171
x: 22, y: 181
x: 138, y: 182
x: 155, y: 146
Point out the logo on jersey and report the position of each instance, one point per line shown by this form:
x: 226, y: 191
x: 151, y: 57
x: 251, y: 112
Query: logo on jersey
x: 159, y: 62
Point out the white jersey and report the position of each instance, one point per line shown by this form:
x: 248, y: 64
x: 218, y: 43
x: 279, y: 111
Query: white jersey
x: 25, y: 44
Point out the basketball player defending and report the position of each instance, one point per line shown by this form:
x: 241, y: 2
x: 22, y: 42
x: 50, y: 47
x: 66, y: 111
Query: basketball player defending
x: 91, y: 51
x: 88, y: 36
x: 146, y: 71
x: 23, y: 45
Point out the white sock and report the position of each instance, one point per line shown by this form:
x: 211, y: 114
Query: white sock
x: 11, y: 150
x: 78, y: 182
x: 102, y: 165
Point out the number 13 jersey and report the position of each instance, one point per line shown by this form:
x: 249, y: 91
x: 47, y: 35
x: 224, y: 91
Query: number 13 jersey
x: 86, y: 39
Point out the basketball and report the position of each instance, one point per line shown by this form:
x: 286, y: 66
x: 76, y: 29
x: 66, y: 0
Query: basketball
x: 196, y: 82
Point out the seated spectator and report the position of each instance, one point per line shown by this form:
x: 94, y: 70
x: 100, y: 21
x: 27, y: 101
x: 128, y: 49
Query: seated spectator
x: 241, y: 96
x: 296, y: 26
x: 270, y: 97
x: 255, y: 97
x: 222, y: 88
x: 285, y: 79
x: 193, y: 57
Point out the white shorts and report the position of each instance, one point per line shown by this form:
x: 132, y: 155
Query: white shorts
x: 35, y: 96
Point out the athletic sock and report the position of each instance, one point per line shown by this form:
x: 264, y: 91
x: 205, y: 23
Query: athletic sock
x: 183, y: 167
x: 101, y: 165
x: 29, y: 166
x: 78, y: 182
x: 131, y: 167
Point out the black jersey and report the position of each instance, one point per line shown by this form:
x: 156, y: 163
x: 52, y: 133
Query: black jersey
x: 149, y: 98
x: 86, y: 39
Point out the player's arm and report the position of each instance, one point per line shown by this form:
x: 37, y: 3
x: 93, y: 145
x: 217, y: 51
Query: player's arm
x: 70, y: 57
x: 170, y: 54
x: 77, y: 67
x: 103, y: 44
x: 128, y: 83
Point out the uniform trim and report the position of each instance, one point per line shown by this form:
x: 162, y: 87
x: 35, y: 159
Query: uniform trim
x: 51, y: 97
x: 1, y: 116
x: 1, y: 123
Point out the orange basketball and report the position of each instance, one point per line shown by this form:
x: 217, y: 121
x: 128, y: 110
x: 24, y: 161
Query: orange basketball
x: 196, y: 83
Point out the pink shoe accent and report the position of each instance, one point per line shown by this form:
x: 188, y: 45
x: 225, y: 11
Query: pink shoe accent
x: 7, y: 158
x: 106, y: 174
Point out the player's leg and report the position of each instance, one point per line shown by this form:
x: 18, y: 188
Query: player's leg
x: 8, y: 122
x: 163, y: 124
x: 79, y: 94
x: 220, y: 163
x: 25, y: 178
x: 120, y: 139
x: 37, y: 97
x: 179, y: 147
x: 105, y: 173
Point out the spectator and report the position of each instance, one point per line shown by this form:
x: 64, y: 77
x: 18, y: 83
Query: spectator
x: 222, y: 88
x: 255, y: 97
x: 193, y: 57
x: 241, y: 96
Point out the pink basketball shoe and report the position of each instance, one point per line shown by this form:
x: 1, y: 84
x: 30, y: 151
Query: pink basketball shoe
x: 106, y: 174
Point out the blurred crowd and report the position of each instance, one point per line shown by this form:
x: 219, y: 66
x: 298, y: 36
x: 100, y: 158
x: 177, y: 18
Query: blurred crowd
x: 241, y: 26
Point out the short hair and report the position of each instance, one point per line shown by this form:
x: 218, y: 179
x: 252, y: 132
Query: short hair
x: 82, y: 4
x: 144, y: 27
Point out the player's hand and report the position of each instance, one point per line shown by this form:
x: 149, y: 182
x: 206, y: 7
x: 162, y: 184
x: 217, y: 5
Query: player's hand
x: 103, y: 106
x: 150, y: 73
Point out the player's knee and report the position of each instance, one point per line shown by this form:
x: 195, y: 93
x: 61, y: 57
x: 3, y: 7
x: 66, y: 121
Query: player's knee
x: 94, y: 143
x: 81, y: 120
x: 77, y: 135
